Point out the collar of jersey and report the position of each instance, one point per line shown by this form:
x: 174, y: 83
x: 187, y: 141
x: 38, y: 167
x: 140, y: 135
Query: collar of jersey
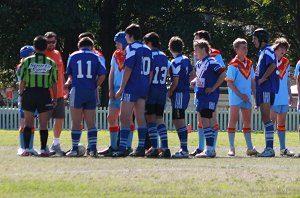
x: 85, y: 49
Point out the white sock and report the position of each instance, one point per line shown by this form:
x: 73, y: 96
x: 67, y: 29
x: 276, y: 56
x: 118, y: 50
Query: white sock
x: 56, y: 141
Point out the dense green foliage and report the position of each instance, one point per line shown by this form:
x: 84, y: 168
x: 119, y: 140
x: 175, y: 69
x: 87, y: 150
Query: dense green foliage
x: 226, y: 20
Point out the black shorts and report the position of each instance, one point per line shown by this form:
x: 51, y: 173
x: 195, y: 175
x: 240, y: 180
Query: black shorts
x: 37, y: 99
x: 59, y: 110
x: 155, y: 109
x: 178, y: 114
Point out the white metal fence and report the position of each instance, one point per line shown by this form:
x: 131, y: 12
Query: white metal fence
x: 9, y: 119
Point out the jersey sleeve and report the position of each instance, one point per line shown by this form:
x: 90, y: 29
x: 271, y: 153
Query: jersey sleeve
x: 219, y: 59
x: 270, y: 57
x: 22, y: 70
x: 230, y: 74
x: 101, y: 68
x: 129, y: 58
x: 69, y: 69
x: 218, y: 68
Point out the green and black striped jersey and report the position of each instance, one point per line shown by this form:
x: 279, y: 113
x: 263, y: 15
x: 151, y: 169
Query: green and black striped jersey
x: 38, y: 71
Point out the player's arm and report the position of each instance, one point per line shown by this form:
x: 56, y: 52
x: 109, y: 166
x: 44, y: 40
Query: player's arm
x: 253, y: 87
x: 221, y: 78
x: 126, y: 76
x: 173, y: 86
x: 111, y: 82
x: 267, y: 74
x: 21, y: 87
x: 232, y: 86
x: 54, y: 89
x: 290, y: 92
x: 100, y: 80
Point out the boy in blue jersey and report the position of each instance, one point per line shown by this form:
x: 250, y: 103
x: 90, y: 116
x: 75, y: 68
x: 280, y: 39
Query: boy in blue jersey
x: 210, y: 75
x: 216, y: 54
x: 179, y: 92
x: 114, y: 83
x: 284, y: 96
x: 157, y: 99
x: 267, y: 85
x: 87, y: 71
x: 134, y: 90
x: 241, y: 83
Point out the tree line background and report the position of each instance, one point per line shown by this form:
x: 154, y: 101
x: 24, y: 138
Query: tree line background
x: 22, y: 20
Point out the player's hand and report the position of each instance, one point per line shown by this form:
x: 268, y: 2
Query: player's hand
x: 261, y: 81
x: 66, y: 92
x: 208, y: 90
x: 111, y: 95
x: 119, y: 93
x: 244, y: 97
x: 291, y: 101
x: 193, y: 83
x: 54, y: 102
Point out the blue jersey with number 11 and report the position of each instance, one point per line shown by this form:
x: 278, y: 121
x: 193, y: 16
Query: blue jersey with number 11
x: 139, y: 59
x: 84, y: 66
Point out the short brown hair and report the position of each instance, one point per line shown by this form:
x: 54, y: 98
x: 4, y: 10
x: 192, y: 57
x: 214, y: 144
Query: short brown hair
x: 176, y: 44
x: 236, y: 43
x: 281, y: 42
x: 50, y: 35
x: 202, y: 43
x: 85, y: 42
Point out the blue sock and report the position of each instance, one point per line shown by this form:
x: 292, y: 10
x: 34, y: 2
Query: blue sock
x: 124, y: 133
x: 21, y: 136
x: 163, y: 134
x: 113, y: 133
x: 183, y: 137
x: 142, y: 131
x: 231, y: 136
x: 269, y: 134
x: 31, y: 141
x: 216, y: 132
x: 247, y: 136
x: 281, y: 136
x: 209, y: 136
x: 201, y: 137
x: 75, y: 134
x: 92, y: 137
x: 152, y: 130
x: 129, y: 139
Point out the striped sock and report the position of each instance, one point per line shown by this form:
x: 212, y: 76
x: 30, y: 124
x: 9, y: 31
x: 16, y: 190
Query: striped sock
x: 162, y: 131
x: 231, y: 136
x: 269, y: 134
x: 209, y: 136
x: 21, y: 137
x: 152, y: 130
x: 92, y: 137
x: 113, y: 133
x: 216, y: 132
x: 281, y: 135
x: 75, y: 134
x: 183, y: 137
x: 142, y: 131
x: 124, y: 132
x: 247, y: 136
x: 130, y: 136
x: 201, y: 137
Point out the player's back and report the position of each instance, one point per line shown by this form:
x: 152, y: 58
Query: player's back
x: 181, y: 67
x: 139, y: 59
x: 161, y: 65
x: 84, y: 66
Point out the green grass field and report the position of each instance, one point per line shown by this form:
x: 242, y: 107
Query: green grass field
x: 223, y: 176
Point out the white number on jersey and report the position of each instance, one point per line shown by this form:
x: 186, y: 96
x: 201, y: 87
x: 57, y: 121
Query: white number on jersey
x: 88, y: 72
x: 163, y: 78
x: 145, y: 70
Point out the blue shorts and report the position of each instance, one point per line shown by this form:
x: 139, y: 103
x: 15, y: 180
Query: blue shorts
x: 128, y: 97
x: 115, y: 103
x: 264, y: 97
x: 180, y: 100
x: 207, y: 102
x: 157, y: 96
x: 244, y: 105
x: 280, y: 108
x: 83, y: 98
